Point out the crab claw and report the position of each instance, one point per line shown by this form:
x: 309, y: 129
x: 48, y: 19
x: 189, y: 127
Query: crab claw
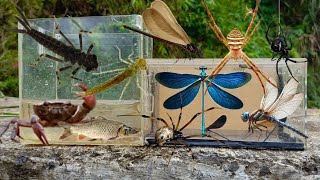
x: 89, y: 100
x: 38, y: 130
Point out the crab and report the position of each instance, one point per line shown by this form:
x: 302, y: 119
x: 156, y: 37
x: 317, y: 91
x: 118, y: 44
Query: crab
x: 48, y: 114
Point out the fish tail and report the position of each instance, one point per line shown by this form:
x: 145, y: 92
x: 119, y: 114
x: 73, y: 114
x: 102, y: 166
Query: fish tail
x: 67, y: 130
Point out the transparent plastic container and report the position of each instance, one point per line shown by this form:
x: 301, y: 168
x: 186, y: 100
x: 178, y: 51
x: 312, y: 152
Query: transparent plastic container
x: 112, y: 43
x: 251, y: 94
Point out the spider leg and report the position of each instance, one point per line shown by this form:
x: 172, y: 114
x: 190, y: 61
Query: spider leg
x: 277, y: 68
x: 254, y: 67
x: 218, y: 69
x: 196, y: 115
x: 179, y: 114
x: 215, y: 27
x: 286, y: 61
x: 267, y: 37
x: 224, y: 41
x: 273, y: 57
x: 173, y: 126
x: 247, y: 39
x: 252, y: 20
x: 294, y: 61
x: 256, y: 71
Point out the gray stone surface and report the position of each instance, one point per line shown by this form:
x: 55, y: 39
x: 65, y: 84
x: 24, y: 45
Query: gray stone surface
x: 113, y: 162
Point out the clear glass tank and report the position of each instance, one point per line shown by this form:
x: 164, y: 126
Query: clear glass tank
x: 112, y: 44
x: 251, y: 94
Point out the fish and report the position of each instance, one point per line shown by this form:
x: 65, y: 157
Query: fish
x: 98, y: 128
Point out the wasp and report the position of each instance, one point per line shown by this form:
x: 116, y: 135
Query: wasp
x: 86, y: 61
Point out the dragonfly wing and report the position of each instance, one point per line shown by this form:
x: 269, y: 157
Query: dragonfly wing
x: 184, y: 97
x: 220, y: 122
x: 174, y: 80
x: 287, y: 106
x: 151, y: 35
x: 270, y: 96
x: 160, y: 27
x: 224, y: 98
x: 288, y: 91
x: 232, y: 80
x: 160, y: 6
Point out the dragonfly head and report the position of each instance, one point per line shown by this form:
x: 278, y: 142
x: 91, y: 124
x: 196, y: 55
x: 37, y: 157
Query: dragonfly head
x: 245, y: 116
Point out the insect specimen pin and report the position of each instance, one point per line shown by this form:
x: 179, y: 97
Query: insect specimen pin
x: 164, y: 27
x: 235, y: 42
x: 86, y: 61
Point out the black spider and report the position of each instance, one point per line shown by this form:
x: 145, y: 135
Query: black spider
x: 280, y: 47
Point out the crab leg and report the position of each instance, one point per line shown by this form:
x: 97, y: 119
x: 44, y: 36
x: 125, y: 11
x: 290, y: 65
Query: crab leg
x: 37, y: 129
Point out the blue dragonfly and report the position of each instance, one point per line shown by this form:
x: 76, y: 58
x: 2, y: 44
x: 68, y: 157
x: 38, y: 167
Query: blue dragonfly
x: 193, y: 82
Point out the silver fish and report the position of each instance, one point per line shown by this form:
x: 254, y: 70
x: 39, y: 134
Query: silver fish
x: 98, y: 128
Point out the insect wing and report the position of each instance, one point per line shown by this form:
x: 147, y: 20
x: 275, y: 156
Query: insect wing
x: 184, y: 97
x: 224, y: 98
x: 150, y: 35
x: 287, y: 106
x: 176, y: 81
x: 270, y: 96
x: 220, y: 122
x: 160, y: 27
x: 288, y: 91
x: 161, y: 7
x: 232, y: 80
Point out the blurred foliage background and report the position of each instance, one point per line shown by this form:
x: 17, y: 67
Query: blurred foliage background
x: 299, y: 18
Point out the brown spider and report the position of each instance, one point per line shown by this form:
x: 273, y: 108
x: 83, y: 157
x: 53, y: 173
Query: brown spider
x: 235, y: 42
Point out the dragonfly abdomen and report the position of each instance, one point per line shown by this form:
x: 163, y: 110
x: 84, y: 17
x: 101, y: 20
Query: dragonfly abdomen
x: 272, y: 119
x: 50, y: 43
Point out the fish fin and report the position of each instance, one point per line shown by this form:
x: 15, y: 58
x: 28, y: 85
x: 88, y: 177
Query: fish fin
x: 81, y: 136
x: 67, y: 131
